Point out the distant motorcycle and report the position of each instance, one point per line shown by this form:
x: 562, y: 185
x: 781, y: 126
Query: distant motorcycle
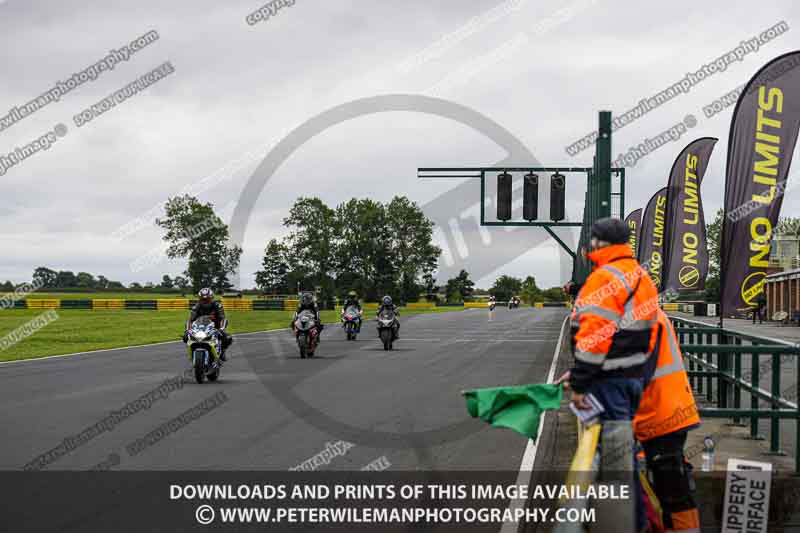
x: 492, y: 305
x: 513, y: 303
x: 306, y: 332
x: 204, y: 345
x: 351, y: 322
x: 387, y: 328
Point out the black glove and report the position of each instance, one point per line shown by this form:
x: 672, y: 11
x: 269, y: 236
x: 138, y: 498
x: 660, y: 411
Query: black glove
x: 185, y: 337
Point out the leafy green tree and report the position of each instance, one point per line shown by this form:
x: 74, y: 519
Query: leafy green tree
x: 272, y: 278
x: 505, y: 287
x: 312, y: 244
x: 101, y: 282
x: 363, y: 253
x: 135, y: 286
x: 44, y: 277
x: 181, y: 283
x: 460, y: 288
x: 85, y: 280
x: 429, y: 285
x: 167, y: 282
x: 713, y: 236
x: 7, y: 287
x: 411, y: 234
x: 66, y: 278
x: 195, y: 232
x: 530, y: 292
x: 554, y: 294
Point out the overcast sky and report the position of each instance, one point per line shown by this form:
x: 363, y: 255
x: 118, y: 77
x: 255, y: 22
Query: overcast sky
x: 538, y: 69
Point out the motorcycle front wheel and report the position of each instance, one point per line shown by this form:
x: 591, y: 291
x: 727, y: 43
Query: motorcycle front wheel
x: 302, y: 343
x: 199, y: 366
x: 386, y: 338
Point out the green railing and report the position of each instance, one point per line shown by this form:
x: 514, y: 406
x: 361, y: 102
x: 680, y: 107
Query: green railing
x: 725, y: 365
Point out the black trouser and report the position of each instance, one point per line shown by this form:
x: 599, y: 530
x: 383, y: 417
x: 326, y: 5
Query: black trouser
x: 760, y: 311
x: 671, y: 474
x: 227, y: 340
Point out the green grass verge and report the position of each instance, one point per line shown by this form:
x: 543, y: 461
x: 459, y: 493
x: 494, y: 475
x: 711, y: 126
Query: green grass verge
x: 86, y: 330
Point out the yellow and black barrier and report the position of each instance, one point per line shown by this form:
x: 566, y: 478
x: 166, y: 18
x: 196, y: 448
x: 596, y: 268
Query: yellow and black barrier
x: 184, y: 304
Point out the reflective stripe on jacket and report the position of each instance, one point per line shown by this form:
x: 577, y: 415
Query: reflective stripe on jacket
x: 614, y: 319
x: 667, y: 404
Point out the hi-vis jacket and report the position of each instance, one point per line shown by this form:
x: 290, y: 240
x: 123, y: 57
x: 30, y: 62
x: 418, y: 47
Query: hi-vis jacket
x: 667, y: 403
x: 614, y: 320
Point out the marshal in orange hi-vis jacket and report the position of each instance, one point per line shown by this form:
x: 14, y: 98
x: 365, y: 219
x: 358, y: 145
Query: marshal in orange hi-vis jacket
x: 667, y: 404
x: 666, y: 412
x: 614, y: 320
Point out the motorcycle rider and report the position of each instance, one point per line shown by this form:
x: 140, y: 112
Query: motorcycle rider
x: 352, y: 301
x: 308, y: 303
x: 388, y: 305
x: 492, y: 301
x: 207, y: 306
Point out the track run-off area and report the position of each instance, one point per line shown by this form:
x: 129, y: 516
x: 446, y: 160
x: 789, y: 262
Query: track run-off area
x: 352, y: 406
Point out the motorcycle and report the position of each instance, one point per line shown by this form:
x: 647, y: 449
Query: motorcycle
x: 492, y: 305
x: 306, y: 332
x: 387, y: 328
x: 513, y: 303
x: 204, y: 345
x: 351, y: 322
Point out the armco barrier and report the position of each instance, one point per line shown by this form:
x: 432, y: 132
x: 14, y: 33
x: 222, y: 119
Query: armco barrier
x: 170, y: 304
x: 420, y: 305
x: 43, y: 304
x: 268, y: 305
x: 76, y: 304
x: 108, y: 304
x: 237, y: 304
x: 476, y: 305
x: 141, y: 304
x: 183, y: 304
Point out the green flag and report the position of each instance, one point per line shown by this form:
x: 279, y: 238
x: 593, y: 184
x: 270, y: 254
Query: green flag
x: 519, y: 407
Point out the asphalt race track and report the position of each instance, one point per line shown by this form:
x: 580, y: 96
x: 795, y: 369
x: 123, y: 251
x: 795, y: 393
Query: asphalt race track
x: 272, y: 410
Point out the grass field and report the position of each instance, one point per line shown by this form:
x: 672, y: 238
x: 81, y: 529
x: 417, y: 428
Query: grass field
x: 86, y: 330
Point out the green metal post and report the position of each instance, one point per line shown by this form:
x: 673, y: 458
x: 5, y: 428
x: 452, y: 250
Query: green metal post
x: 737, y: 372
x: 709, y: 360
x: 775, y: 423
x: 755, y: 378
x: 603, y: 165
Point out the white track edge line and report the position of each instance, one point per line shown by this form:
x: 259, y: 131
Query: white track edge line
x: 529, y: 457
x: 91, y: 352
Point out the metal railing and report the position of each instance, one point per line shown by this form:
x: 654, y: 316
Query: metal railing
x: 724, y: 365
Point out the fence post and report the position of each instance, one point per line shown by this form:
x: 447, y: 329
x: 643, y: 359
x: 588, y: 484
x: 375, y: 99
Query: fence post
x: 755, y: 378
x: 775, y: 423
x: 737, y: 372
x: 709, y: 360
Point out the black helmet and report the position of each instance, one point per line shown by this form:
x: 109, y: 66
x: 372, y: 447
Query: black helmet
x: 610, y: 230
x: 387, y: 300
x: 307, y: 298
x: 205, y: 295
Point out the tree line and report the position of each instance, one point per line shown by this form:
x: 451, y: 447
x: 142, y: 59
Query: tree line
x: 371, y: 247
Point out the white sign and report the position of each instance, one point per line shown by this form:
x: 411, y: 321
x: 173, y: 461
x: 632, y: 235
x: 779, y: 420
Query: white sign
x: 746, y: 505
